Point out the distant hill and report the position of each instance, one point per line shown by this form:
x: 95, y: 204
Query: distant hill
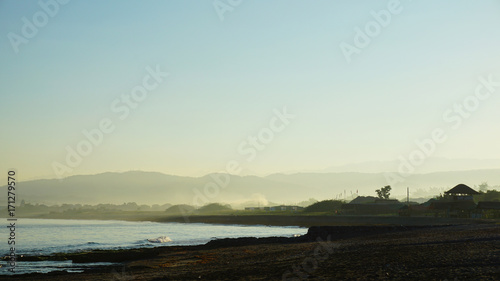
x: 180, y: 210
x: 213, y: 208
x: 158, y: 188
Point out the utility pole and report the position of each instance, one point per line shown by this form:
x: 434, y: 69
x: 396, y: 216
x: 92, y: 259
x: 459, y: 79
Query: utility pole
x: 408, y: 199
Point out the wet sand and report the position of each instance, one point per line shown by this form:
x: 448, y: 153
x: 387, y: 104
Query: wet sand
x: 453, y: 252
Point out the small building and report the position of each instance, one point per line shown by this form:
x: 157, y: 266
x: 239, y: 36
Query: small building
x: 461, y: 192
x: 457, y: 202
x: 275, y: 208
x: 286, y: 208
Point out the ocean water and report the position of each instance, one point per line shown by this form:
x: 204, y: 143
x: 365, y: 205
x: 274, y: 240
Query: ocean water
x: 47, y: 236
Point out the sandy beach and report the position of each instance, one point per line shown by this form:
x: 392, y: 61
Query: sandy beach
x: 383, y: 252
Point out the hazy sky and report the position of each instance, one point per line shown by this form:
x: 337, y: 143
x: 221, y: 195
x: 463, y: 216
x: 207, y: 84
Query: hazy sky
x: 68, y: 67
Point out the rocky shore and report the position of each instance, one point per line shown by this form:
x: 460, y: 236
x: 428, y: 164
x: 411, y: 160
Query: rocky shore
x: 452, y: 252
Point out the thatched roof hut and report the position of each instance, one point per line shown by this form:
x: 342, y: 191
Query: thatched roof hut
x: 461, y: 190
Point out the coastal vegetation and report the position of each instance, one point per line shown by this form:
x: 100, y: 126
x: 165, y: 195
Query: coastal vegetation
x: 367, y: 205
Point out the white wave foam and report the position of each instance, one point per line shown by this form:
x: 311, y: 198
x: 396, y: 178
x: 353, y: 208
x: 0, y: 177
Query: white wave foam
x: 161, y: 239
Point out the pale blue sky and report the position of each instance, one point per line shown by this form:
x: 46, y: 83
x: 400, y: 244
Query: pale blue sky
x: 227, y: 77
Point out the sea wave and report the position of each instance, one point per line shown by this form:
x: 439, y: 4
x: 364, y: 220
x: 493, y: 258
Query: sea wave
x: 161, y: 239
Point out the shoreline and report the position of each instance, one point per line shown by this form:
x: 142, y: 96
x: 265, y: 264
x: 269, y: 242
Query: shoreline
x: 212, y: 258
x: 314, y: 220
x: 292, y: 220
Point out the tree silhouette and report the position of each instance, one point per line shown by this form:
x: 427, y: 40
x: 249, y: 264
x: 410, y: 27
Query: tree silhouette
x: 384, y: 192
x: 483, y: 187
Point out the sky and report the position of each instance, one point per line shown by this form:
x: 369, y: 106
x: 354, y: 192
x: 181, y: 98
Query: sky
x: 247, y: 87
